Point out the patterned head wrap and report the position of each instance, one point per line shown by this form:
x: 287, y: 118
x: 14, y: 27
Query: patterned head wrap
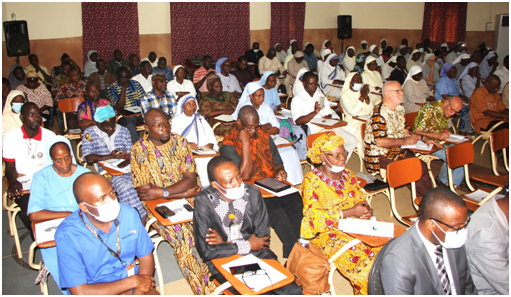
x: 323, y: 144
x: 210, y: 80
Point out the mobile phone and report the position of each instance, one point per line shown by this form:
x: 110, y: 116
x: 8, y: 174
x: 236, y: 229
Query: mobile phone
x: 164, y: 211
x: 243, y: 268
x: 188, y: 207
x: 322, y: 102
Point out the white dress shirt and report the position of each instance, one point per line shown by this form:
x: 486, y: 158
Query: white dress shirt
x: 147, y: 84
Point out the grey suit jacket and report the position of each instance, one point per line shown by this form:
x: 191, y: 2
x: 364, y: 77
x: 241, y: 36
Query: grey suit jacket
x: 407, y: 269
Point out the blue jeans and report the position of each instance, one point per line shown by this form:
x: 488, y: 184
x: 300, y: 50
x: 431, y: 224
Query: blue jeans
x: 457, y: 173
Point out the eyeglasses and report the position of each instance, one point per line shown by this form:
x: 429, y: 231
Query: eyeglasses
x: 454, y: 228
x: 343, y: 154
x: 456, y: 112
x: 249, y: 128
x: 248, y: 274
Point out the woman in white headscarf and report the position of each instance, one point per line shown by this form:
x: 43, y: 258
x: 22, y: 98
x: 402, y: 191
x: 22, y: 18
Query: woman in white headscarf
x: 327, y: 44
x: 289, y: 52
x: 388, y: 67
x: 12, y: 110
x: 281, y: 53
x: 374, y: 50
x: 470, y: 79
x: 487, y: 66
x: 383, y: 45
x: 414, y: 59
x: 298, y: 85
x: 180, y: 86
x: 90, y: 65
x: 331, y: 77
x: 430, y: 70
x: 349, y: 60
x: 372, y: 77
x: 416, y: 90
x: 324, y: 55
x: 190, y: 124
x: 355, y: 103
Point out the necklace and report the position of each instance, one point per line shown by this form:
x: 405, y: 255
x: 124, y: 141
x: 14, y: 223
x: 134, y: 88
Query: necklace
x: 28, y: 143
x: 63, y: 186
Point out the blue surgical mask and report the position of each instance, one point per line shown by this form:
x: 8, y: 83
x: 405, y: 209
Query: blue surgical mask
x: 421, y: 50
x: 357, y: 87
x: 16, y: 107
x: 256, y: 50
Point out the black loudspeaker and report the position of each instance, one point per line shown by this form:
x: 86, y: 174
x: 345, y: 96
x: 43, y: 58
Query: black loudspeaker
x: 16, y: 38
x: 344, y: 27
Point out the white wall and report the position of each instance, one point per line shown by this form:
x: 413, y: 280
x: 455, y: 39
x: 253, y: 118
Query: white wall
x: 154, y: 17
x: 260, y: 15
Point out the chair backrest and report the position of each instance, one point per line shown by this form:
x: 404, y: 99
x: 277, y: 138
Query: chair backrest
x: 410, y: 119
x: 70, y: 104
x: 460, y: 154
x: 403, y: 172
x: 257, y: 79
x: 375, y: 287
x: 500, y: 140
x: 312, y: 137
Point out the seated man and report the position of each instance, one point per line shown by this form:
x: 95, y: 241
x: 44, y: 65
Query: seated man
x: 117, y: 62
x: 305, y: 107
x: 127, y: 93
x: 24, y: 154
x: 432, y: 121
x: 152, y: 59
x: 486, y: 106
x: 399, y: 73
x: 134, y: 65
x: 159, y: 97
x: 162, y: 162
x: 89, y: 263
x: 202, y: 73
x: 231, y: 219
x: 269, y: 62
x: 295, y: 65
x: 386, y: 131
x: 41, y: 71
x: 163, y: 68
x: 102, y: 78
x: 106, y: 141
x: 429, y: 258
x: 310, y: 57
x: 253, y: 150
x: 254, y: 55
x: 488, y: 246
x: 144, y: 77
x: 87, y: 109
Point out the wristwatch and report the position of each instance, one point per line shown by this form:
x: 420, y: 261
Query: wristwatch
x: 165, y: 193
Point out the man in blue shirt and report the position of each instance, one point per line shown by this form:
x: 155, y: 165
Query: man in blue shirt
x: 97, y: 244
x: 159, y: 97
x: 164, y: 69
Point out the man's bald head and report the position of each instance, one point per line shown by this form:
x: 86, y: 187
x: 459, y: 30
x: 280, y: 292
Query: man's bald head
x: 152, y: 114
x: 452, y: 105
x: 87, y: 186
x: 248, y: 112
x: 492, y: 84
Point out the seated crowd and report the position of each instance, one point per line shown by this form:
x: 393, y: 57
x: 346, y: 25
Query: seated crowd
x: 372, y: 88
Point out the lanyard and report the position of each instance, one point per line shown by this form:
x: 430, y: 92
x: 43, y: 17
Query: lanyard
x: 117, y: 255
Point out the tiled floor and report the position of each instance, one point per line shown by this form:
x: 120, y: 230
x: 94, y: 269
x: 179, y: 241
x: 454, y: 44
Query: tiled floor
x: 18, y: 278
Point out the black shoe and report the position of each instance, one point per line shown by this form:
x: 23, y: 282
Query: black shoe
x: 439, y: 183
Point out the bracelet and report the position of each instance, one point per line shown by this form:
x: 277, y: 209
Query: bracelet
x: 185, y: 195
x: 342, y: 216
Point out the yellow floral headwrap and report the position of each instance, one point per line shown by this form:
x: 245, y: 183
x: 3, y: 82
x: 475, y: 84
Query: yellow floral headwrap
x: 323, y: 144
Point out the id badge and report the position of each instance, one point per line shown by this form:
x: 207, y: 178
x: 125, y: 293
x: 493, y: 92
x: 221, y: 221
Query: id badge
x: 131, y: 270
x: 235, y: 232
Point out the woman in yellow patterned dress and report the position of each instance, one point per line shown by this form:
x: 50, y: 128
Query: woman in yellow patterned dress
x: 330, y: 192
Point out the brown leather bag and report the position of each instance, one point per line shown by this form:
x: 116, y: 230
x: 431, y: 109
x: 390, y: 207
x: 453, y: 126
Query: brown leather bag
x: 310, y: 268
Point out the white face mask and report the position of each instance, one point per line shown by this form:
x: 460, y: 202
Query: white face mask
x: 107, y: 212
x: 16, y: 107
x: 234, y: 193
x: 256, y: 50
x: 357, y: 87
x: 421, y: 50
x: 333, y: 168
x: 453, y: 239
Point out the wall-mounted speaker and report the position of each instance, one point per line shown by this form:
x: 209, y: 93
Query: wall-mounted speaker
x: 16, y: 38
x: 344, y: 27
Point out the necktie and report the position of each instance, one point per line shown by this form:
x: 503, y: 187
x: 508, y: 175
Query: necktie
x: 442, y: 273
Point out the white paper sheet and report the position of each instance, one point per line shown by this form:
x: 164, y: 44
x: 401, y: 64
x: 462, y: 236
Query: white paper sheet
x: 204, y: 151
x: 281, y: 193
x: 257, y: 282
x: 45, y: 231
x: 358, y: 226
x: 225, y: 118
x: 285, y: 112
x: 479, y: 195
x: 134, y: 109
x: 457, y: 138
x: 278, y: 140
x: 114, y: 164
x: 322, y: 121
x: 181, y: 214
x: 420, y: 145
x: 26, y: 182
x: 75, y: 131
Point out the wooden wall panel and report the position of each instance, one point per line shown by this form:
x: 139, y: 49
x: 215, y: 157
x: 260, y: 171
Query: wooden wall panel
x: 158, y: 43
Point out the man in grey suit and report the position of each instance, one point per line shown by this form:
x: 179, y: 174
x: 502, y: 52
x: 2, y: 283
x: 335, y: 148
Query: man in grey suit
x: 429, y: 258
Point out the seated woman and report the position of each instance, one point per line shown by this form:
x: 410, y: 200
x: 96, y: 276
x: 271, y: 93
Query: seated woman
x: 414, y: 59
x: 355, y: 103
x: 12, y: 110
x: 51, y: 192
x: 298, y: 85
x: 243, y: 74
x: 190, y: 124
x: 87, y: 109
x: 448, y: 86
x: 254, y: 95
x: 349, y: 59
x: 17, y: 76
x: 229, y: 82
x: 331, y: 77
x: 372, y: 77
x: 39, y: 94
x: 416, y: 90
x: 330, y: 193
x: 470, y: 79
x: 388, y: 67
x: 359, y: 63
x: 216, y: 103
x: 180, y: 86
x: 271, y: 95
x: 280, y: 52
x: 430, y: 70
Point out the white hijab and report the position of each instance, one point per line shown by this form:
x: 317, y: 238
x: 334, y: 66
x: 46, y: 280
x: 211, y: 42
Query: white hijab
x: 346, y: 89
x: 298, y: 85
x: 413, y: 71
x: 329, y: 73
x: 10, y: 119
x: 484, y: 67
x: 90, y: 67
x: 386, y: 69
x: 325, y: 52
x: 323, y: 45
x: 465, y: 72
x: 461, y: 57
x: 349, y: 62
x: 250, y: 89
x: 411, y: 55
x: 374, y: 77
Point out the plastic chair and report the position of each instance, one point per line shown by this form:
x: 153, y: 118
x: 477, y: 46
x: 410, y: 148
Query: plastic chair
x: 31, y: 254
x: 485, y: 135
x: 499, y: 141
x: 410, y: 119
x: 67, y: 106
x: 400, y: 173
x: 12, y: 211
x: 462, y: 155
x: 374, y: 283
x: 157, y: 239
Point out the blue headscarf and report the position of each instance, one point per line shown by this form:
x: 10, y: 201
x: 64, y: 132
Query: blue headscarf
x: 445, y: 68
x: 195, y: 117
x: 218, y: 65
x: 266, y: 74
x: 51, y: 142
x: 104, y: 113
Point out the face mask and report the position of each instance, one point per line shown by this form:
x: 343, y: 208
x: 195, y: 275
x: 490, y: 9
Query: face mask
x: 16, y: 107
x: 458, y: 53
x: 107, y: 212
x: 453, y: 240
x: 439, y: 60
x: 256, y: 50
x: 333, y: 168
x: 234, y: 193
x: 357, y: 87
x: 421, y: 50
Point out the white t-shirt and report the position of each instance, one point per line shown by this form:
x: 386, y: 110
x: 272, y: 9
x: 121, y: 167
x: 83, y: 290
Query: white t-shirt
x: 303, y: 104
x: 147, y: 84
x: 229, y: 83
x: 17, y: 147
x: 173, y: 87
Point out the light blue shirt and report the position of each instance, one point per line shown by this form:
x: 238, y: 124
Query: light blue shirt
x: 271, y: 97
x: 445, y: 85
